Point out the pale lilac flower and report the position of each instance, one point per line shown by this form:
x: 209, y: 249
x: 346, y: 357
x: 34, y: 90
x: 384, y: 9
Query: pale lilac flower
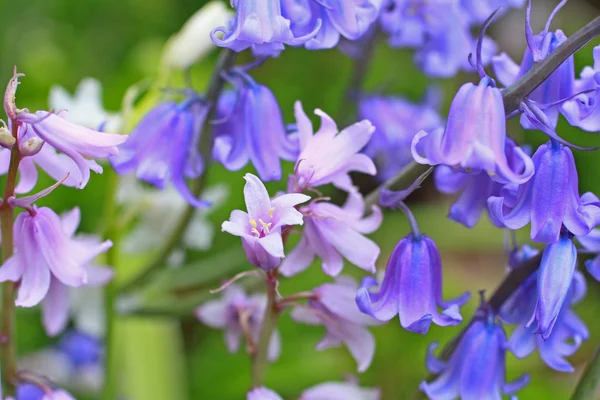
x: 480, y: 10
x: 591, y: 241
x: 29, y: 391
x: 333, y: 233
x: 340, y: 391
x: 162, y: 147
x: 411, y: 288
x: 228, y: 312
x: 260, y: 228
x: 328, y: 156
x: 477, y: 367
x: 474, y: 137
x: 333, y: 306
x: 555, y: 178
x: 584, y: 110
x: 44, y: 252
x: 253, y: 131
x: 262, y: 393
x: 259, y: 24
x: 396, y: 121
x: 57, y: 305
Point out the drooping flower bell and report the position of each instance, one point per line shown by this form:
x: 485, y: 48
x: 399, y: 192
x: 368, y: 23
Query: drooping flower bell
x: 477, y: 367
x: 162, y: 147
x: 474, y: 188
x: 584, y: 110
x: 556, y: 179
x: 45, y: 252
x: 333, y: 233
x: 259, y: 24
x: 238, y: 315
x: 328, y: 156
x: 396, y: 121
x: 411, y: 287
x: 558, y: 87
x: 333, y: 306
x: 253, y: 131
x: 260, y: 228
x: 41, y: 134
x: 58, y: 303
x: 474, y: 138
x: 554, y: 280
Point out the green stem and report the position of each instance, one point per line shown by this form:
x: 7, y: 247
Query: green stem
x: 216, y: 85
x: 259, y: 359
x: 8, y: 359
x: 111, y: 376
x: 588, y: 384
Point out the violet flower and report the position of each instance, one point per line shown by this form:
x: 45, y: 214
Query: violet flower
x: 333, y: 307
x: 328, y: 156
x: 480, y: 10
x: 583, y: 111
x: 262, y: 393
x: 259, y: 24
x: 396, y: 121
x: 42, y: 133
x: 411, y: 288
x: 333, y: 233
x: 56, y: 306
x: 253, y: 131
x: 233, y: 313
x: 477, y: 367
x: 260, y: 228
x: 340, y: 391
x: 554, y: 280
x: 591, y: 242
x: 45, y: 252
x: 474, y: 188
x: 475, y: 137
x: 29, y: 391
x: 555, y: 178
x: 162, y: 147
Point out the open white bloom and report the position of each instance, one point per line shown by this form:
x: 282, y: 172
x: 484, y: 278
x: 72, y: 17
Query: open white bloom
x: 193, y: 41
x: 85, y: 106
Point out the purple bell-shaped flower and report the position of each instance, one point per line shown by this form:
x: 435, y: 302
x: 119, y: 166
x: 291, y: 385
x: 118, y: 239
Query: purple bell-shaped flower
x: 584, y: 110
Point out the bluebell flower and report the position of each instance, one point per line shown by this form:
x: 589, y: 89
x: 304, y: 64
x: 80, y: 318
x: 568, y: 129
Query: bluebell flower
x: 591, y: 242
x: 474, y: 188
x: 340, y: 391
x: 568, y: 332
x: 556, y: 179
x: 477, y: 367
x: 259, y: 24
x: 253, y: 131
x: 584, y: 110
x: 480, y: 10
x: 162, y: 147
x: 474, y: 137
x: 411, y: 288
x: 29, y: 391
x: 81, y: 349
x: 396, y: 121
x: 262, y: 393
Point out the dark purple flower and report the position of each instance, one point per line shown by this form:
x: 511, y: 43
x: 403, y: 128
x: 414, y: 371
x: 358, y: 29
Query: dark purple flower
x: 411, y: 288
x: 554, y: 280
x: 260, y: 228
x: 477, y: 367
x: 162, y: 147
x: 234, y: 310
x: 584, y: 110
x: 334, y: 308
x: 559, y: 86
x: 555, y: 178
x: 253, y: 131
x: 46, y: 251
x: 475, y: 137
x: 333, y: 233
x: 591, y: 241
x: 396, y: 121
x: 259, y: 24
x: 328, y: 156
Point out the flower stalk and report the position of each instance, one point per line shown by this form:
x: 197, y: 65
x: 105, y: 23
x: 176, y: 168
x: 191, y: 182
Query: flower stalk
x: 259, y: 359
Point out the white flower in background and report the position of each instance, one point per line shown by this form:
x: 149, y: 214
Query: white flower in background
x: 193, y: 41
x: 85, y: 106
x: 153, y: 206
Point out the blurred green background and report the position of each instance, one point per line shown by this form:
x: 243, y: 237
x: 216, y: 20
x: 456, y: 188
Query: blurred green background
x: 161, y: 357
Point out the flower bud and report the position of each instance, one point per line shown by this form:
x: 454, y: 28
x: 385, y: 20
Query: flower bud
x: 31, y: 147
x: 7, y: 140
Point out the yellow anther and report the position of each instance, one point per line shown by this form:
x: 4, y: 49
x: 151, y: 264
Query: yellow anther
x: 256, y: 232
x: 253, y: 223
x: 271, y: 212
x: 265, y: 226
